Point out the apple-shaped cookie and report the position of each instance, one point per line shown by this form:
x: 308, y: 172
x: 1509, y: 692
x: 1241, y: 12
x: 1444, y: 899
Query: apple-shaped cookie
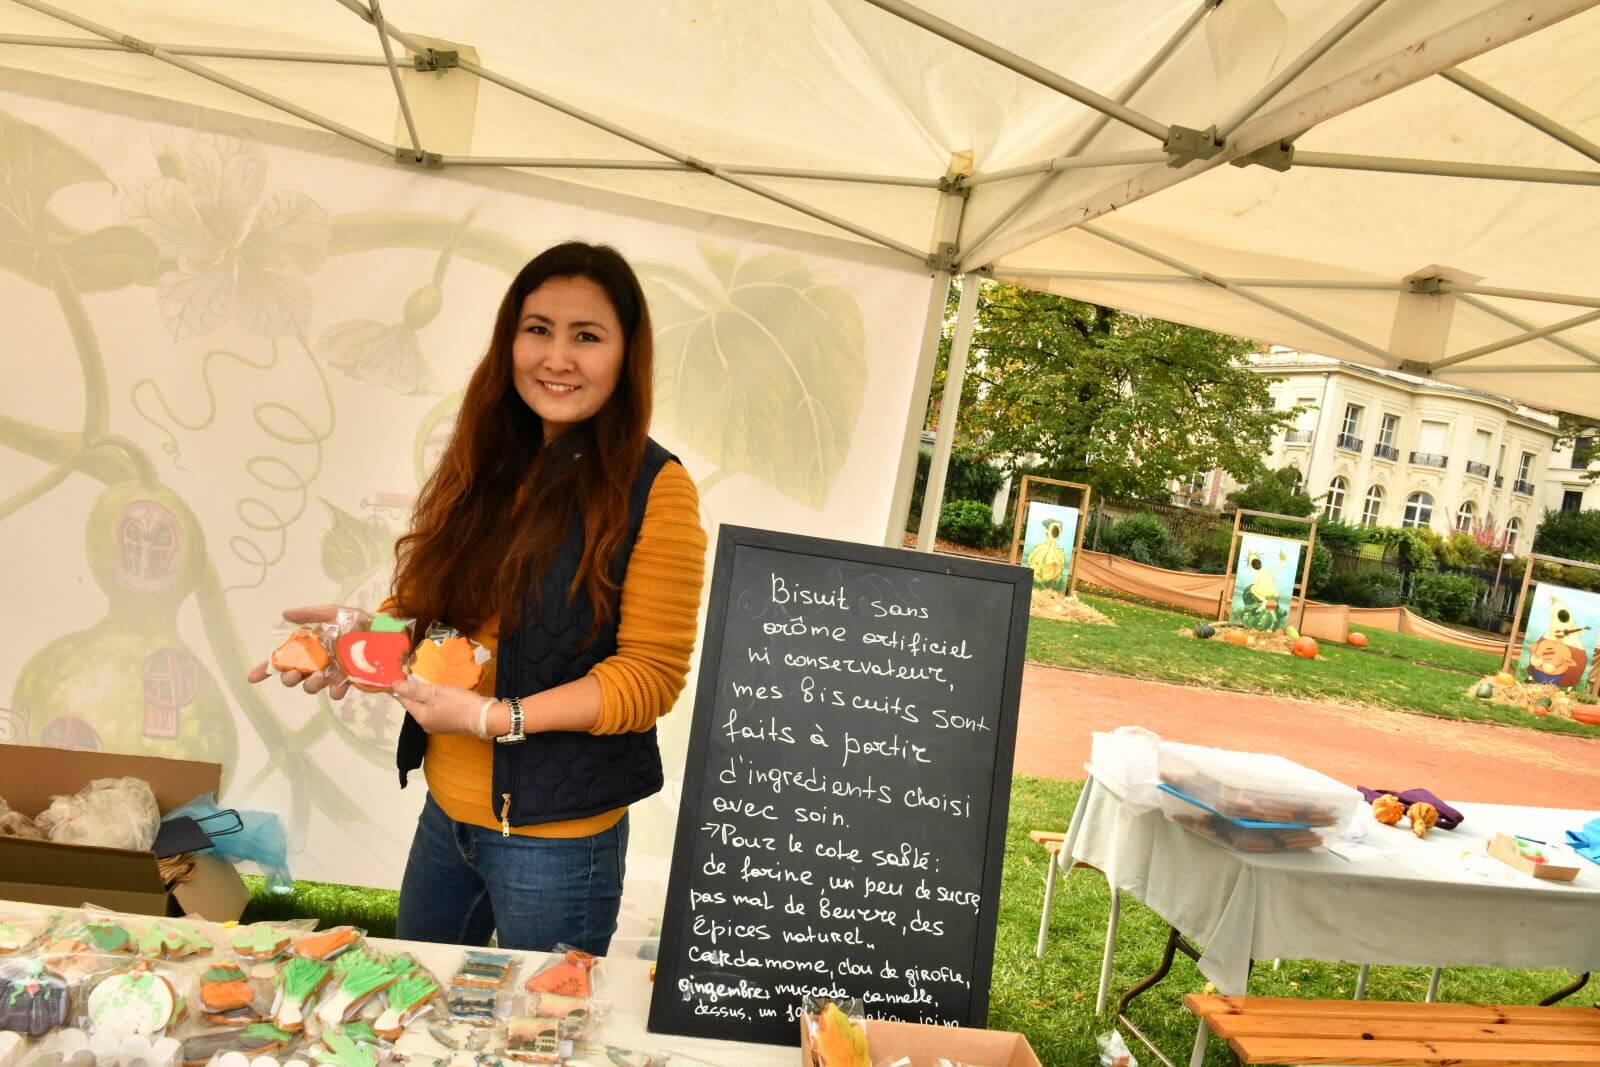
x: 372, y: 659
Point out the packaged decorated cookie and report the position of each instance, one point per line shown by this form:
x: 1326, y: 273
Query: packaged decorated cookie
x: 264, y: 942
x: 259, y: 1039
x: 410, y: 998
x: 577, y: 1019
x: 88, y: 932
x: 19, y: 934
x: 329, y: 944
x: 838, y: 1032
x: 140, y: 1001
x: 357, y: 977
x: 568, y: 972
x: 304, y: 650
x: 173, y: 939
x: 354, y: 1045
x: 34, y: 998
x: 373, y: 656
x: 482, y: 969
x: 300, y: 979
x: 230, y: 996
x: 445, y: 656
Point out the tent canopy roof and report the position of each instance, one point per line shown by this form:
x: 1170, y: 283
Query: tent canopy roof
x: 1439, y: 199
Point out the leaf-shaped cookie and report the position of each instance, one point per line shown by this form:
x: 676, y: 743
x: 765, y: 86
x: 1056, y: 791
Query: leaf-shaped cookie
x: 449, y: 662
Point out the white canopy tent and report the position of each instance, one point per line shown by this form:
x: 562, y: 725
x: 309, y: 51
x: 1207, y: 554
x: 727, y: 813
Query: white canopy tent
x: 1412, y: 182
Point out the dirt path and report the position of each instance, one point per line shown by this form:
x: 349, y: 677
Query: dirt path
x: 1362, y: 746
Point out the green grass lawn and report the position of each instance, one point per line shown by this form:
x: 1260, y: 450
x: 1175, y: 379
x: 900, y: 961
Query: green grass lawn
x: 1052, y: 1000
x: 1144, y: 643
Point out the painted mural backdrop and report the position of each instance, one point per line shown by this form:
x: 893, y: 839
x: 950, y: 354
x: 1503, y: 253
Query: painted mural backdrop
x: 1047, y: 542
x: 1263, y: 585
x: 232, y: 363
x: 1558, y: 648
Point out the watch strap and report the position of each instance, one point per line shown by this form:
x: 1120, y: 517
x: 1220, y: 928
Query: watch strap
x: 514, y: 733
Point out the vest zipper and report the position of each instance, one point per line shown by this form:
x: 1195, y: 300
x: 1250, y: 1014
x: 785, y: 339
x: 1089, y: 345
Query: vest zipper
x: 505, y: 815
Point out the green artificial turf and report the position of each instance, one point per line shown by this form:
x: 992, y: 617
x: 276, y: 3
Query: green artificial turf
x: 1052, y: 1000
x: 1145, y: 643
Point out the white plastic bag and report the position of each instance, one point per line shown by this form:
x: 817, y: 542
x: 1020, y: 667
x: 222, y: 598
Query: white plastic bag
x: 1126, y: 760
x: 109, y: 812
x: 1114, y: 1051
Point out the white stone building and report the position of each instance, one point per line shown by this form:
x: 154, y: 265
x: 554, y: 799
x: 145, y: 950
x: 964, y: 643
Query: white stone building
x: 1387, y: 449
x: 1566, y: 486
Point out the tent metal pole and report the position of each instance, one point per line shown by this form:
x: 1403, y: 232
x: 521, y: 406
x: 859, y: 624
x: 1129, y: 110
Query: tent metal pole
x: 1249, y: 283
x: 205, y: 51
x: 1246, y: 294
x: 755, y: 170
x: 949, y: 412
x: 1436, y: 49
x: 394, y: 75
x: 1025, y: 67
x: 1543, y: 123
x: 1523, y: 324
x: 1531, y: 368
x: 1445, y: 168
x: 1153, y: 64
x: 1536, y: 295
x: 156, y: 52
x: 1319, y: 48
x: 647, y: 143
x: 1110, y: 159
x: 1519, y: 339
x: 946, y: 226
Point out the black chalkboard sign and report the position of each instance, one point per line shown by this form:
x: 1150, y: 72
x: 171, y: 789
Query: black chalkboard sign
x: 844, y: 805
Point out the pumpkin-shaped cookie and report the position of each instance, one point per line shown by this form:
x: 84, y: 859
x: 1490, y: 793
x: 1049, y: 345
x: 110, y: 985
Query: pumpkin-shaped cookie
x: 452, y: 661
x: 1388, y: 810
x: 302, y: 652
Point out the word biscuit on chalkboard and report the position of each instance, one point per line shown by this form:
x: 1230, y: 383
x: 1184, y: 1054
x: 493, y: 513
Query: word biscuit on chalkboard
x: 844, y: 805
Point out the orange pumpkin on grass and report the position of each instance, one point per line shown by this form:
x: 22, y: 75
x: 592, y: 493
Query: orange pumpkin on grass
x: 1358, y: 639
x: 1306, y: 648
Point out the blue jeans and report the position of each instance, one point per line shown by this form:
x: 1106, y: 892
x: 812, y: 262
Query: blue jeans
x: 464, y: 882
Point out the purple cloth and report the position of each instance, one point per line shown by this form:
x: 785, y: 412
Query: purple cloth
x: 1449, y: 818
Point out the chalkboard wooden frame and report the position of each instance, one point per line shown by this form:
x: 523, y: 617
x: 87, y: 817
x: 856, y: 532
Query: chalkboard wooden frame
x: 663, y: 1017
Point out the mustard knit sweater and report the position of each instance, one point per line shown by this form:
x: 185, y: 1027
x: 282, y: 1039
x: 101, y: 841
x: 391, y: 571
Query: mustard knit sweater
x: 639, y: 684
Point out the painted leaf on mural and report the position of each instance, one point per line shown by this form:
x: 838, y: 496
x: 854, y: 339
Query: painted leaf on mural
x: 230, y: 254
x: 35, y: 165
x: 353, y: 546
x: 385, y: 355
x: 763, y: 372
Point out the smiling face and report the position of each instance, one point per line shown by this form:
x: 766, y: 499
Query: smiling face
x: 568, y: 352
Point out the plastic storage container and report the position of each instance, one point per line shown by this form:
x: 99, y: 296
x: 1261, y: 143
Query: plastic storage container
x: 1241, y: 835
x: 1255, y: 787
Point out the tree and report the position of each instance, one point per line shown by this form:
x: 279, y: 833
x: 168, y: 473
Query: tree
x: 1273, y: 491
x: 1570, y: 535
x: 1124, y: 403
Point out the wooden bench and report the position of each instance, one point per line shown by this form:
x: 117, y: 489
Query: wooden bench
x: 1391, y: 1034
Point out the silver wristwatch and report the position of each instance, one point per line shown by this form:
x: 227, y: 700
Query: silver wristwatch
x: 514, y: 735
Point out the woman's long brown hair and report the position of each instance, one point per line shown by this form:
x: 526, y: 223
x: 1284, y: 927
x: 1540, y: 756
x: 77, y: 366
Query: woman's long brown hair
x: 500, y: 504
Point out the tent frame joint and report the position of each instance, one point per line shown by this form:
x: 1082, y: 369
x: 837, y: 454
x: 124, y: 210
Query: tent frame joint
x: 945, y: 258
x: 433, y: 59
x: 1434, y: 286
x: 419, y: 158
x: 1417, y: 367
x: 1278, y: 156
x: 955, y: 184
x: 1184, y: 145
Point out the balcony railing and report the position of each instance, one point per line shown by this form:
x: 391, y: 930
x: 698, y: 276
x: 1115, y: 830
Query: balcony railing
x: 1348, y: 443
x: 1520, y: 486
x: 1429, y: 459
x: 1481, y: 470
x: 1382, y: 451
x: 1297, y: 437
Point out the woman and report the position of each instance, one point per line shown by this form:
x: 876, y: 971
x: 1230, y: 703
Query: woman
x: 557, y: 533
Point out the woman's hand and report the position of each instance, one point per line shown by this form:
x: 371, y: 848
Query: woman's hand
x: 314, y: 683
x: 443, y: 709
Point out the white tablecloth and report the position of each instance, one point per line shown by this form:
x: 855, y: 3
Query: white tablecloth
x: 627, y: 986
x: 1438, y: 902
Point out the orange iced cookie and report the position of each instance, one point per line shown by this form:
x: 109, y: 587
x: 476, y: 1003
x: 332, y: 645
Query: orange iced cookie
x: 301, y: 652
x: 452, y: 661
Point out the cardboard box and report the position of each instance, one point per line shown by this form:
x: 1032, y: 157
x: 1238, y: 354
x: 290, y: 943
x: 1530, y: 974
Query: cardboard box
x: 45, y: 872
x: 925, y: 1045
x: 1504, y: 848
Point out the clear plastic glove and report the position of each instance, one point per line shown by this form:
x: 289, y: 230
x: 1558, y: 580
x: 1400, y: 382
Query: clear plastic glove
x: 330, y: 679
x: 447, y: 709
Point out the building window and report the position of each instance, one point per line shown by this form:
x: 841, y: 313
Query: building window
x: 1513, y: 529
x: 1585, y: 450
x: 1373, y: 507
x: 1299, y: 483
x: 1464, y: 516
x: 1335, y: 507
x: 1352, y: 419
x: 1525, y: 467
x: 1419, y: 510
x: 1390, y: 430
x: 1572, y: 500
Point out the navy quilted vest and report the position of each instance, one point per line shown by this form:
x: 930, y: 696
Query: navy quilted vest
x: 554, y: 776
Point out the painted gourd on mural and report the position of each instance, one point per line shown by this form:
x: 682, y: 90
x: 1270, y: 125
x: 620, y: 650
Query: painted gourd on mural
x: 129, y: 683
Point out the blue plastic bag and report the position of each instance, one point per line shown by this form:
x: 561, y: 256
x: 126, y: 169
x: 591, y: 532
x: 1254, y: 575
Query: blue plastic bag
x: 260, y: 839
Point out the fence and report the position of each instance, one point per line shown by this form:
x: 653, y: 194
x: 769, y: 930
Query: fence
x: 1200, y: 540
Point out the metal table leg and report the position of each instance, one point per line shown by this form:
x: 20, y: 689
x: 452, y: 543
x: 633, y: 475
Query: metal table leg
x: 1061, y: 863
x: 1562, y: 994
